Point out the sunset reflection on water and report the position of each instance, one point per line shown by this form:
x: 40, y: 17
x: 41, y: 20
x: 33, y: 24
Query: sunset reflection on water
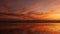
x: 32, y: 28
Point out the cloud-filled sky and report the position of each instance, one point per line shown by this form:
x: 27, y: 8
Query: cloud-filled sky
x: 39, y: 6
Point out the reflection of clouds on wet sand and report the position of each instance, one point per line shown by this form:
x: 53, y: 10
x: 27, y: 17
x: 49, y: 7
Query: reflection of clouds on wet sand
x: 46, y: 28
x: 51, y: 28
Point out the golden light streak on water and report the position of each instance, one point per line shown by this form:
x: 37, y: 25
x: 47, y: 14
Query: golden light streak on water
x: 47, y: 26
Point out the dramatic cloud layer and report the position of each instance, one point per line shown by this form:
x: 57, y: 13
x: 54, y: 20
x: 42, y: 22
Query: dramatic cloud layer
x: 30, y: 9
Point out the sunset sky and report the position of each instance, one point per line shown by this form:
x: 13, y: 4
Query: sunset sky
x: 32, y: 9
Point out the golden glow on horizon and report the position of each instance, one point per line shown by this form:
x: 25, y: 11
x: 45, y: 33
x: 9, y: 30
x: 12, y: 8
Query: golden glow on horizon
x: 48, y: 16
x: 53, y: 16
